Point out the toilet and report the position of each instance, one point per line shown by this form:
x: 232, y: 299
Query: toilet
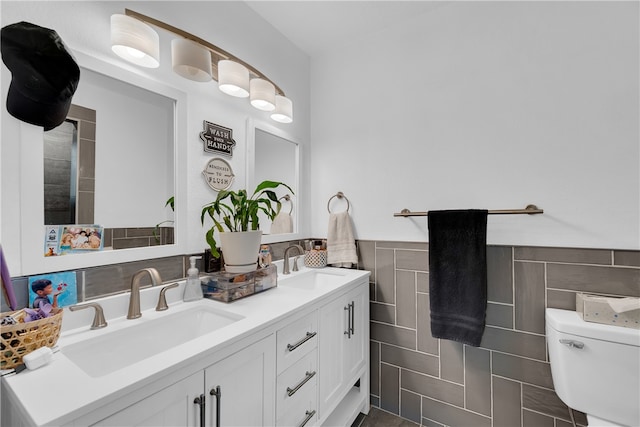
x: 595, y: 368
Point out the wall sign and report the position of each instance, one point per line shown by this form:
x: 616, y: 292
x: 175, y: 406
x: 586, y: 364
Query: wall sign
x: 217, y: 139
x: 218, y: 174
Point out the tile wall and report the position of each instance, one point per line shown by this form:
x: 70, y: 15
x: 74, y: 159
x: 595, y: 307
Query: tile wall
x: 507, y: 380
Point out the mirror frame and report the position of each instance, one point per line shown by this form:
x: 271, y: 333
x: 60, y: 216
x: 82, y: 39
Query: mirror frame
x: 252, y: 125
x: 32, y: 259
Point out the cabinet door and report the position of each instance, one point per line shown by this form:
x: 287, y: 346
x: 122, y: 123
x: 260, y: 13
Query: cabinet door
x: 172, y: 406
x: 331, y: 344
x: 356, y: 345
x: 246, y: 382
x: 342, y: 345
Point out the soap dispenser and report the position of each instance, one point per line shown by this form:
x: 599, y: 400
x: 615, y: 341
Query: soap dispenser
x: 193, y: 289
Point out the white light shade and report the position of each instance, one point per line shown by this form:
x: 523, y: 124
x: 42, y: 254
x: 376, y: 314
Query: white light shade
x: 263, y: 94
x: 233, y: 78
x: 191, y: 60
x: 135, y: 41
x: 284, y: 110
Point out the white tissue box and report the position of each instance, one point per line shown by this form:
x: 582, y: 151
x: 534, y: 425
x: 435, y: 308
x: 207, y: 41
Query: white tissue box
x: 595, y: 308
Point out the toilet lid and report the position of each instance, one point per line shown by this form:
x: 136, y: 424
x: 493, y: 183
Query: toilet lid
x: 569, y: 322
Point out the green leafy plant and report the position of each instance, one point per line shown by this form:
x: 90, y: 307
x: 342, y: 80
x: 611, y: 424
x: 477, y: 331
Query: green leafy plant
x: 236, y: 211
x: 156, y: 230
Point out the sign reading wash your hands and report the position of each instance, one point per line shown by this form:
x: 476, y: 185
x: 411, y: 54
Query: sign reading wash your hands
x: 217, y: 139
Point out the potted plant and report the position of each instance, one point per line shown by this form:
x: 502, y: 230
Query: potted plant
x: 235, y: 217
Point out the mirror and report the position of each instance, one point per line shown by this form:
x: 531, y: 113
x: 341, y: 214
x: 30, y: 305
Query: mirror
x: 275, y: 157
x: 136, y: 122
x: 116, y: 134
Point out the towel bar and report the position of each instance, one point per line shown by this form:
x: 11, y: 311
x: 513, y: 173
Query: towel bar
x: 339, y: 195
x: 530, y: 210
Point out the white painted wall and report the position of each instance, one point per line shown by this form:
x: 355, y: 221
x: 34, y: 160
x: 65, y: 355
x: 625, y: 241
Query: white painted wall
x: 84, y: 26
x: 488, y: 105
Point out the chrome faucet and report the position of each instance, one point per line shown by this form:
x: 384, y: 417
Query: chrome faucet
x: 134, y: 298
x: 285, y: 268
x: 98, y: 318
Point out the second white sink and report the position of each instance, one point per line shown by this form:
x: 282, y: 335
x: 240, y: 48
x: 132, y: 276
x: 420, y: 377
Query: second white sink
x: 112, y: 351
x: 315, y: 280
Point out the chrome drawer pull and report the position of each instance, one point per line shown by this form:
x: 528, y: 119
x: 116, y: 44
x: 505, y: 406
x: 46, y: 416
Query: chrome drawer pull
x: 307, y: 337
x: 292, y: 391
x: 572, y: 343
x: 309, y: 415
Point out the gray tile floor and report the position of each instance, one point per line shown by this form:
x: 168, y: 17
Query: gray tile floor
x: 380, y: 418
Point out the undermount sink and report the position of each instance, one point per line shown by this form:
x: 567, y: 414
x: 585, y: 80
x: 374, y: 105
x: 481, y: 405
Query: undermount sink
x: 112, y: 351
x: 314, y: 280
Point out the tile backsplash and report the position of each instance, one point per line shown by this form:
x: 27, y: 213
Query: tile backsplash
x: 507, y: 380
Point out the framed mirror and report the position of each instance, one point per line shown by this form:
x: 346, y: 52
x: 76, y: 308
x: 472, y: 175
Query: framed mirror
x: 273, y: 155
x: 138, y: 167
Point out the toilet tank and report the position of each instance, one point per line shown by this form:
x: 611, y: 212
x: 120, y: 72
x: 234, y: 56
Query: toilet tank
x: 597, y: 369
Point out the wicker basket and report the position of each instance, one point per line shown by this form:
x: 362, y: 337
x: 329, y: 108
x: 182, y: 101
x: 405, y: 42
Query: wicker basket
x: 21, y: 339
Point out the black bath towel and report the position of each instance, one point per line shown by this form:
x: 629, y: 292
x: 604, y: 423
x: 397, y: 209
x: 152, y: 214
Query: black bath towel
x: 458, y: 274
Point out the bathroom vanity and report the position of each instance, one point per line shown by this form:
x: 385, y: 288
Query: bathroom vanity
x: 293, y: 355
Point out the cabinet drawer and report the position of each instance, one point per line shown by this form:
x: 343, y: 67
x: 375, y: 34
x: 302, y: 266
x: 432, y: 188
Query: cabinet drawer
x: 299, y: 417
x: 296, y: 388
x: 296, y: 340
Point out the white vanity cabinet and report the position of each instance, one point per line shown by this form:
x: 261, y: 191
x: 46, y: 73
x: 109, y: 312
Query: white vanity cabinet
x: 236, y: 391
x: 344, y: 353
x: 297, y: 356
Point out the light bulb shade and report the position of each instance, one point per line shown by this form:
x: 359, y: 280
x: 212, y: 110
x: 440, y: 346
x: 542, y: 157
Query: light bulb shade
x: 191, y: 60
x: 284, y: 110
x: 135, y: 41
x: 233, y: 78
x: 263, y: 94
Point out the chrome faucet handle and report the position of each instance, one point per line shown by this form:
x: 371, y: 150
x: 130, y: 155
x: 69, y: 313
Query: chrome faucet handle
x: 162, y: 299
x: 98, y: 318
x: 295, y: 263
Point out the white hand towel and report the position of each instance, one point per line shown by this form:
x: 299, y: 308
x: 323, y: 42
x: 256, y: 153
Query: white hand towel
x: 282, y: 223
x: 341, y: 245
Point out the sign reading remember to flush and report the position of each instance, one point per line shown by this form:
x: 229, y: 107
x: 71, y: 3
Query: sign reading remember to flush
x: 218, y: 174
x: 217, y: 139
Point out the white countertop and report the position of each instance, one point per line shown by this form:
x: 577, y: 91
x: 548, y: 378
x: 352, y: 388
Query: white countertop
x: 60, y: 392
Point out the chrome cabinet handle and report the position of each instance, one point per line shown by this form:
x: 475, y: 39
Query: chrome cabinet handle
x: 352, y: 320
x: 292, y: 391
x: 347, y: 308
x: 218, y: 395
x: 200, y: 401
x: 306, y: 338
x: 572, y: 343
x: 309, y: 415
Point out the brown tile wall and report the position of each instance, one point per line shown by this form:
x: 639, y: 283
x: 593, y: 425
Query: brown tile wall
x: 507, y: 380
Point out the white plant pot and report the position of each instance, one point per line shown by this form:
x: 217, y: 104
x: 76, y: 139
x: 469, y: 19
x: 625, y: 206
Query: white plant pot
x: 240, y: 250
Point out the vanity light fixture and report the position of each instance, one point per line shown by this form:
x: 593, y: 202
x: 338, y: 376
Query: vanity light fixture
x: 134, y: 39
x: 233, y: 78
x: 190, y: 60
x: 284, y: 110
x: 262, y: 94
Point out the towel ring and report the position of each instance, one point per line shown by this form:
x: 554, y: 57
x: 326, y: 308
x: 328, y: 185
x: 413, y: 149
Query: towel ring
x: 287, y: 198
x: 339, y: 195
